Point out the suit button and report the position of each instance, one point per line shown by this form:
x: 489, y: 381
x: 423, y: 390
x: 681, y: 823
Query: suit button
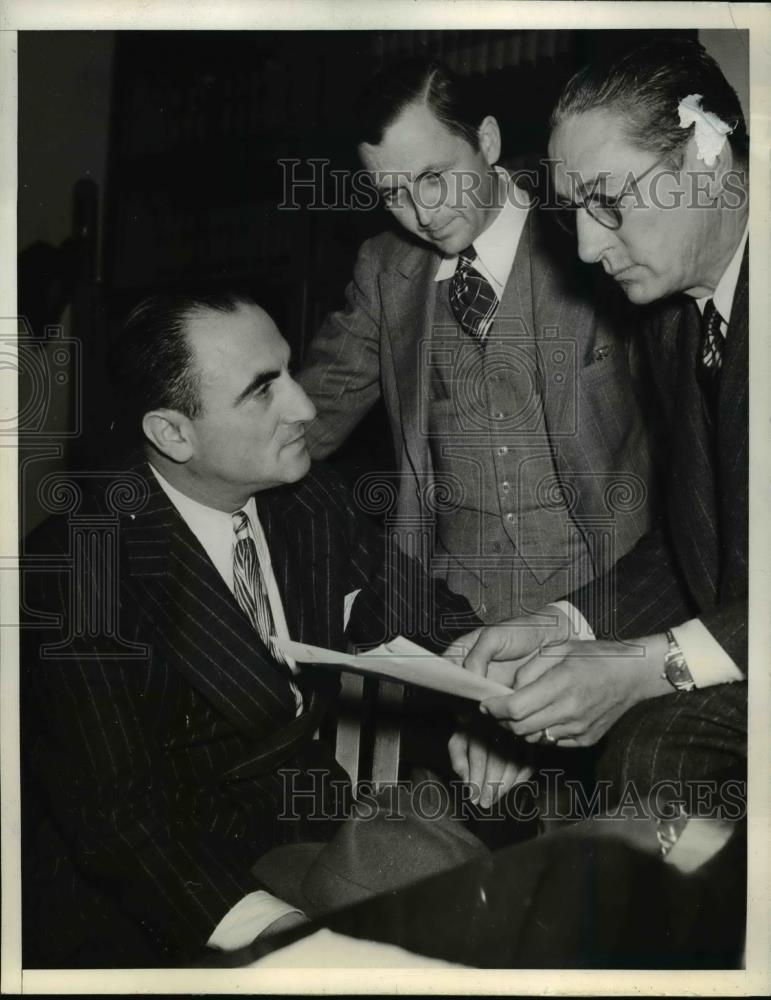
x: 505, y: 486
x: 496, y: 547
x: 511, y: 518
x: 503, y: 450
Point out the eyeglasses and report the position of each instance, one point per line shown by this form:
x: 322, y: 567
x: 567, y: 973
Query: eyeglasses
x: 604, y: 210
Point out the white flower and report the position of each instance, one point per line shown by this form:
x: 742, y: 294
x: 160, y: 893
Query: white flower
x: 710, y: 131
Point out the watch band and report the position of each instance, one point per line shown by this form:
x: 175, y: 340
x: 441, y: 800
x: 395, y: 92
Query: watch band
x: 675, y: 666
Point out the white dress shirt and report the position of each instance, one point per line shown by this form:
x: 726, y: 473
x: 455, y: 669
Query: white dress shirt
x: 497, y: 246
x: 214, y: 530
x: 707, y: 661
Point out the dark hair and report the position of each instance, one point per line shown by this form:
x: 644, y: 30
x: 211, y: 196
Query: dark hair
x: 151, y: 362
x: 455, y: 103
x: 645, y: 87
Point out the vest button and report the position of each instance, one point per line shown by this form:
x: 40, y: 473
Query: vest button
x: 505, y: 486
x: 511, y: 517
x: 496, y: 547
x: 503, y: 450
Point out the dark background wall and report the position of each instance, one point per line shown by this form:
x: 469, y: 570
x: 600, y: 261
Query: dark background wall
x: 151, y: 158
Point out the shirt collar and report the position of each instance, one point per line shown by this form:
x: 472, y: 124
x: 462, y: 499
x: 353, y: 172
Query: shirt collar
x: 723, y: 296
x: 496, y: 247
x: 213, y: 528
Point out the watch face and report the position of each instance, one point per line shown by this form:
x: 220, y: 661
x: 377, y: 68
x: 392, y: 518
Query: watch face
x: 678, y: 673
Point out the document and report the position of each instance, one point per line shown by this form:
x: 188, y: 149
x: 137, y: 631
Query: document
x: 400, y: 660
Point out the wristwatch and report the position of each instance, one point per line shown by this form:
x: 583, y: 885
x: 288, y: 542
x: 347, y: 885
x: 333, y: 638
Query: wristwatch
x: 675, y: 668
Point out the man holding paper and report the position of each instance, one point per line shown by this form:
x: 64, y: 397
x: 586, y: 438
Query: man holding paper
x: 651, y: 159
x: 164, y: 708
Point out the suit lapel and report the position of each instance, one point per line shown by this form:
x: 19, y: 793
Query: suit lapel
x: 733, y: 424
x: 300, y: 564
x: 564, y: 326
x: 198, y: 622
x: 734, y: 388
x: 407, y: 294
x: 692, y: 499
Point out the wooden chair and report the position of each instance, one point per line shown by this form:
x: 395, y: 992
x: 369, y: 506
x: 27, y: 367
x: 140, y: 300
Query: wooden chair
x: 368, y: 735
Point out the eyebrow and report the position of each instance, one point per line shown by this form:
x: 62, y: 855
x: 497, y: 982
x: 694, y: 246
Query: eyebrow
x: 588, y: 189
x: 260, y: 379
x: 431, y: 168
x: 434, y: 168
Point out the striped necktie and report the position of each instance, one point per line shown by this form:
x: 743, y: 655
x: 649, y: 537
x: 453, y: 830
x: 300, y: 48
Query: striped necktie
x: 251, y: 594
x: 711, y: 354
x: 473, y: 301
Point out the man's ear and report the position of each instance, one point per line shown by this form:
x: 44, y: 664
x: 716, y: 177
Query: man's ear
x: 489, y: 138
x: 170, y: 432
x: 711, y: 179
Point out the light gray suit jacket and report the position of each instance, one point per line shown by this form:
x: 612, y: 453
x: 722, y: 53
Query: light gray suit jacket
x: 374, y: 345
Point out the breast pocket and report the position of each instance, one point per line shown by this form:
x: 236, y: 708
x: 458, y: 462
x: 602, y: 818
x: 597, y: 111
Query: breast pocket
x: 608, y: 365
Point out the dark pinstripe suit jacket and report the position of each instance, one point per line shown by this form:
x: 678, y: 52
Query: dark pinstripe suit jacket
x: 162, y: 768
x: 695, y: 562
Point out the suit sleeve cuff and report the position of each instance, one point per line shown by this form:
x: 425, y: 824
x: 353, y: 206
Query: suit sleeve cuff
x: 707, y: 661
x: 247, y: 920
x: 579, y: 626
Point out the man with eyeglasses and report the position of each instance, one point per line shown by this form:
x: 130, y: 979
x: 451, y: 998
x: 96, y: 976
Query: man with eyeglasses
x: 650, y: 162
x: 495, y: 362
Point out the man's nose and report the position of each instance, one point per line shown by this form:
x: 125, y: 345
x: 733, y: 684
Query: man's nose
x: 594, y: 239
x: 299, y: 408
x: 424, y: 207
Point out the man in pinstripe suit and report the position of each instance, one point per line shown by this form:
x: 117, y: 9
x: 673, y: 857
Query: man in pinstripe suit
x: 651, y: 157
x: 164, y: 715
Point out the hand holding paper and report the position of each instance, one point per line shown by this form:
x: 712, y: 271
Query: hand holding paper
x: 401, y: 660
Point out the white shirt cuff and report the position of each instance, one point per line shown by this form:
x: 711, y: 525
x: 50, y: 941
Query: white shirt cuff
x: 700, y: 840
x: 579, y: 626
x: 707, y: 661
x: 247, y: 920
x: 348, y: 606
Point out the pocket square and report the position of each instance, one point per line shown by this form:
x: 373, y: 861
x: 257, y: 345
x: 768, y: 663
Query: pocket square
x: 601, y: 352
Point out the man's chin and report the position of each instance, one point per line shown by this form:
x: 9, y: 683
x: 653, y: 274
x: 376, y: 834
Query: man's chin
x: 639, y: 292
x: 298, y: 468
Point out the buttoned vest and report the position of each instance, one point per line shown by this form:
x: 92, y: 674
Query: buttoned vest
x: 505, y: 536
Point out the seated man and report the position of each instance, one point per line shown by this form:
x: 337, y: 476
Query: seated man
x: 157, y: 712
x: 650, y: 157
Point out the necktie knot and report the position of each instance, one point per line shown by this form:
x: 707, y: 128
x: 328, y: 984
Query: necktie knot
x: 241, y: 525
x: 711, y: 354
x: 712, y: 321
x: 472, y: 297
x: 466, y: 258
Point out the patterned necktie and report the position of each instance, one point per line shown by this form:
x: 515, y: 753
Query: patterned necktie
x: 250, y: 592
x: 711, y: 356
x: 472, y: 298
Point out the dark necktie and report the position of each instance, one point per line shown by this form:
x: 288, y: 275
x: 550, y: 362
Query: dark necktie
x: 472, y: 298
x: 711, y: 354
x: 250, y: 591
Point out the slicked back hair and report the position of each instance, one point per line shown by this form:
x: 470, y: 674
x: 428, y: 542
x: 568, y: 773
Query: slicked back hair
x: 643, y: 90
x: 454, y: 102
x: 151, y: 361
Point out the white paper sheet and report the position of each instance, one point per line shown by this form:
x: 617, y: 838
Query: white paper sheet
x: 401, y: 660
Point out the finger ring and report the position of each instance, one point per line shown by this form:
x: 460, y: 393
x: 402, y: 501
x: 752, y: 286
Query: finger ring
x: 547, y: 738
